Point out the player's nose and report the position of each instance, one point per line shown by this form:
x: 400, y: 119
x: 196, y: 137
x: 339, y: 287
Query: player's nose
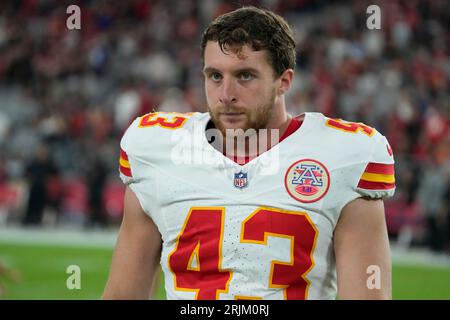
x: 228, y: 92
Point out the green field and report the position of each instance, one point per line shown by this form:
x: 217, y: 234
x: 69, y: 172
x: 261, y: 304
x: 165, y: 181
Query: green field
x: 42, y: 274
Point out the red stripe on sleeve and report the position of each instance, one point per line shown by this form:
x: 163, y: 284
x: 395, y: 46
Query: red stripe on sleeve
x: 369, y: 185
x: 126, y: 171
x: 123, y: 154
x: 380, y: 168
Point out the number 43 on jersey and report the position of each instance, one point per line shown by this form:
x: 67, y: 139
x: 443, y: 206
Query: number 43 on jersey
x: 196, y: 259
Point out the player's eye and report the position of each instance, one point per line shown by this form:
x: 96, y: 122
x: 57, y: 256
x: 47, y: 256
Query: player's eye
x: 215, y: 76
x: 245, y: 76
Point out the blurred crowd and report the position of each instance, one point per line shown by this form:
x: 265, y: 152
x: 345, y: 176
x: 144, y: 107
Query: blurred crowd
x: 66, y: 96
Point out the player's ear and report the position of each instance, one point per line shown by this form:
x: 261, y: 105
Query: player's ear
x: 285, y: 81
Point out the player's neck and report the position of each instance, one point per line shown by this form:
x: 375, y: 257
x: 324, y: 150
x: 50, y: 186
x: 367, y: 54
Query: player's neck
x: 279, y: 119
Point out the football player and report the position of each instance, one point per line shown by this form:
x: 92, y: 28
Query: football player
x: 300, y: 218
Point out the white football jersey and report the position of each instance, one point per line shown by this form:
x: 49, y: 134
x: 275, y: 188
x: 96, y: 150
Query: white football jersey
x: 263, y: 230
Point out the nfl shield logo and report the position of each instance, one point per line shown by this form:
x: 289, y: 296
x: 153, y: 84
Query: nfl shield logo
x: 240, y: 180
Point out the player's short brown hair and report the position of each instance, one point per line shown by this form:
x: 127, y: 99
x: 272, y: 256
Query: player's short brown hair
x: 261, y: 29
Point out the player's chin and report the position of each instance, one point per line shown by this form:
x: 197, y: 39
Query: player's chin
x: 234, y: 124
x: 232, y: 119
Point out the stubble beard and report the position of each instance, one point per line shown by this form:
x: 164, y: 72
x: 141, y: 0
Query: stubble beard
x: 255, y: 118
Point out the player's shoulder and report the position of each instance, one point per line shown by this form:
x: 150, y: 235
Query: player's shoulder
x: 344, y: 128
x: 364, y: 150
x: 163, y: 122
x: 156, y: 128
x: 348, y: 134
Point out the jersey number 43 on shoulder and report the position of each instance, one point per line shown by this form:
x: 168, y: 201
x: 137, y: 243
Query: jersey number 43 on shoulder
x: 166, y: 120
x: 352, y: 127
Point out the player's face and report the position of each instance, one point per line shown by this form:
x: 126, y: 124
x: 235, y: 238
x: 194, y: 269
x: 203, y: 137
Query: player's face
x: 240, y: 88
